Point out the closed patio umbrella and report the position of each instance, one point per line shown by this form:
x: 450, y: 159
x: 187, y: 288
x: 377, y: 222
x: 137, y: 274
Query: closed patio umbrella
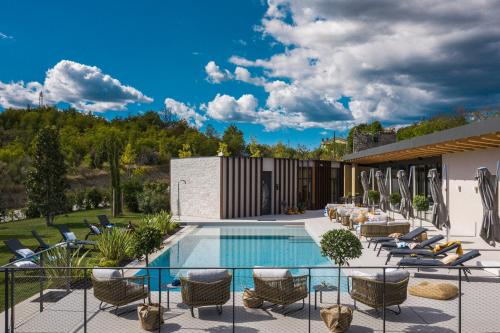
x: 365, y: 182
x: 490, y: 229
x: 406, y: 207
x: 382, y: 189
x: 440, y: 216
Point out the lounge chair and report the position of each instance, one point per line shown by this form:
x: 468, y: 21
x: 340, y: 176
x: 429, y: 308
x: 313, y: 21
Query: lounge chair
x: 405, y: 238
x: 371, y: 290
x: 70, y: 237
x: 18, y: 249
x: 421, y: 252
x: 279, y: 287
x: 428, y: 243
x: 418, y: 262
x: 42, y: 244
x: 111, y: 287
x: 93, y: 230
x: 104, y: 221
x: 206, y: 288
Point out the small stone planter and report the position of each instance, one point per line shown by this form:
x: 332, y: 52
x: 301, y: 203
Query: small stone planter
x: 333, y: 321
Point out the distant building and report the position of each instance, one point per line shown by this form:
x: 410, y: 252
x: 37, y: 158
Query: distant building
x: 362, y: 141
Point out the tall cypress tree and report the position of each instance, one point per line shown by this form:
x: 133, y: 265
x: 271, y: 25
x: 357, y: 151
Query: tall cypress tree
x: 45, y: 181
x: 113, y: 146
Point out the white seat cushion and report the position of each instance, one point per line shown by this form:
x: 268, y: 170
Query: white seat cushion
x: 103, y: 274
x: 275, y: 273
x: 25, y: 264
x: 360, y: 274
x: 95, y: 230
x: 207, y: 275
x: 25, y: 253
x: 393, y: 275
x: 70, y: 236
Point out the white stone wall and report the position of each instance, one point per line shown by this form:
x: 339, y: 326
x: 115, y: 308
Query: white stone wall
x: 200, y: 196
x: 466, y: 210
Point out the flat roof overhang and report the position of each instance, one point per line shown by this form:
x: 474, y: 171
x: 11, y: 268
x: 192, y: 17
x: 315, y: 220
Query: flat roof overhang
x: 480, y: 135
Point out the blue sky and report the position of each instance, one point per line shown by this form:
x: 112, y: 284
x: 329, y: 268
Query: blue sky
x: 287, y: 70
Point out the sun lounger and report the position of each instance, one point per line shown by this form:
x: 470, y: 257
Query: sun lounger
x: 104, y: 221
x: 42, y: 244
x: 93, y: 230
x: 70, y: 237
x: 421, y: 252
x: 428, y: 243
x: 421, y: 262
x: 18, y: 249
x: 405, y: 238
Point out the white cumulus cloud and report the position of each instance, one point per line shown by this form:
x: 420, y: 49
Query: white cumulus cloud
x: 228, y: 108
x: 215, y: 74
x: 83, y: 87
x: 185, y: 112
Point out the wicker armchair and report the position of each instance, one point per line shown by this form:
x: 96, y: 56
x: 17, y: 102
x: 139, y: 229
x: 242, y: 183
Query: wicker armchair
x: 370, y: 230
x: 282, y: 291
x: 196, y: 293
x: 371, y: 292
x: 120, y: 291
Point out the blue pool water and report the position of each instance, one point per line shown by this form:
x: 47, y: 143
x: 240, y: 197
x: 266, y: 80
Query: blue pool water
x: 243, y: 246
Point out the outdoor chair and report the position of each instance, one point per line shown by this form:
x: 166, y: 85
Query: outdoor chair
x: 422, y: 262
x: 279, y: 287
x: 111, y: 287
x: 371, y: 290
x: 421, y: 252
x: 104, y: 221
x: 405, y: 238
x: 206, y: 288
x: 42, y: 244
x: 18, y: 249
x: 382, y: 229
x: 428, y: 243
x: 93, y: 230
x: 70, y: 237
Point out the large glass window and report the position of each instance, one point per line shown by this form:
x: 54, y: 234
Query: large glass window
x: 305, y: 185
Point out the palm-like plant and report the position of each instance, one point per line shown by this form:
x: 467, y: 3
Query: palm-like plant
x: 115, y: 245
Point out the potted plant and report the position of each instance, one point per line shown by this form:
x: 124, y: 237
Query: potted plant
x: 339, y: 245
x: 395, y: 200
x: 421, y: 204
x: 373, y: 198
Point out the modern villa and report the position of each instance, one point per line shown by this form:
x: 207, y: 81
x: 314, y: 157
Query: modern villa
x: 233, y: 187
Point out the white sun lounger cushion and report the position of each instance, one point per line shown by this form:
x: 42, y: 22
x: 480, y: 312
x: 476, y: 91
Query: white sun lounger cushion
x: 25, y: 264
x: 275, y: 273
x: 393, y: 275
x: 25, y: 253
x: 103, y: 274
x: 207, y: 275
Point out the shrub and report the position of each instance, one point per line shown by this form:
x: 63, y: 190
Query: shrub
x: 395, y: 198
x: 374, y: 196
x: 93, y: 198
x: 31, y: 210
x: 421, y: 203
x: 154, y: 198
x: 57, y: 257
x: 77, y: 198
x: 162, y: 221
x: 115, y: 245
x: 131, y: 190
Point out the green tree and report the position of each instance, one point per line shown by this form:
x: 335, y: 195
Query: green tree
x: 233, y: 137
x: 185, y: 151
x: 279, y: 150
x: 128, y: 158
x: 254, y: 148
x: 46, y: 182
x: 113, y: 147
x: 223, y: 151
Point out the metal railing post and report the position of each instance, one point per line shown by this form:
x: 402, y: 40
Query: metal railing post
x: 6, y: 304
x: 309, y: 299
x: 41, y: 272
x: 383, y: 304
x: 234, y: 286
x: 459, y: 300
x: 160, y: 316
x: 68, y: 271
x: 85, y: 300
x: 12, y: 309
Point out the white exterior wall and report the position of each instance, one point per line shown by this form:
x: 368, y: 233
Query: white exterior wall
x: 200, y: 196
x: 465, y: 207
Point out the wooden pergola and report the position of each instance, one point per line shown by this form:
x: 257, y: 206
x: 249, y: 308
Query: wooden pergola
x: 458, y: 141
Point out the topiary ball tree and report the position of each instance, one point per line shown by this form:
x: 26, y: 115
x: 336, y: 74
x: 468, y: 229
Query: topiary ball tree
x: 395, y: 198
x: 374, y: 197
x: 341, y: 246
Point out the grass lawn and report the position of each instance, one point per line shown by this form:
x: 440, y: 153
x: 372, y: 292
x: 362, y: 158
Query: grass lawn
x: 22, y: 231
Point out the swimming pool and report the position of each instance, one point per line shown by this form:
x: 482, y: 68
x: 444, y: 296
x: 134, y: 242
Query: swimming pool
x: 243, y: 246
